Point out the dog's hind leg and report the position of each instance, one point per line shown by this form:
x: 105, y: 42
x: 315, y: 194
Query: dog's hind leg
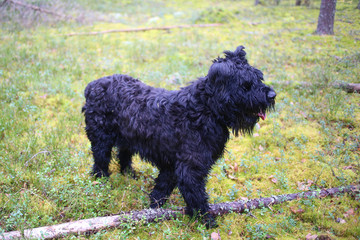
x: 164, y: 185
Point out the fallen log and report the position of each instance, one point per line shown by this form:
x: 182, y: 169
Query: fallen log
x: 165, y: 28
x: 156, y: 215
x: 348, y: 87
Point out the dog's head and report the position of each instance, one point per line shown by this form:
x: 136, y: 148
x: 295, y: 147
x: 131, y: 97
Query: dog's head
x: 239, y: 90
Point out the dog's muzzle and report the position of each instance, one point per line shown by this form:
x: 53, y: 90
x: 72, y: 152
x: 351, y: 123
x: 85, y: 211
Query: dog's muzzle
x: 271, y: 95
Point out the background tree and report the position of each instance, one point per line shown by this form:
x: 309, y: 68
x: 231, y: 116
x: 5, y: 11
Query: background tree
x: 306, y: 2
x: 326, y: 17
x: 358, y: 6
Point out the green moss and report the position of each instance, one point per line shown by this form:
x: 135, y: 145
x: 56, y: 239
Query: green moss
x: 311, y: 141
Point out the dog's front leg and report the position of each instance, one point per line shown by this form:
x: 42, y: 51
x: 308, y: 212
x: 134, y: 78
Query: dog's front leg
x: 191, y: 183
x: 102, y: 153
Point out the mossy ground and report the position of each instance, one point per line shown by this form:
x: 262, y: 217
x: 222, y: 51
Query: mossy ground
x: 311, y: 141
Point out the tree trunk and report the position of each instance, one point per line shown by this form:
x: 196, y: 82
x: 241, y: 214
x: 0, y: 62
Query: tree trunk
x: 257, y: 2
x: 326, y: 17
x: 151, y: 215
x: 297, y: 2
x: 358, y: 6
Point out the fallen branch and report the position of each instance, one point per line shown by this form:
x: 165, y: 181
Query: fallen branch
x: 166, y: 28
x: 348, y: 87
x: 36, y: 8
x: 152, y: 215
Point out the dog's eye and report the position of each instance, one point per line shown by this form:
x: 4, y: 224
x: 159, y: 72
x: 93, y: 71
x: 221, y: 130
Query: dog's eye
x: 247, y: 86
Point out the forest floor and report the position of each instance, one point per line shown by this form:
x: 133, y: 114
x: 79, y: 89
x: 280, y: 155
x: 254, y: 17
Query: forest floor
x: 311, y: 141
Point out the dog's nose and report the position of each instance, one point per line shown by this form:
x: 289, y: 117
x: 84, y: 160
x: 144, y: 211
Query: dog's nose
x: 271, y: 95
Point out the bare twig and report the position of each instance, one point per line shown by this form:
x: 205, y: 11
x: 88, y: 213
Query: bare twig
x: 152, y: 215
x: 45, y: 152
x: 165, y: 28
x: 3, y: 3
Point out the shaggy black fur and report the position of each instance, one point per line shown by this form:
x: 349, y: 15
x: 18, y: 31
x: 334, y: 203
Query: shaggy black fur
x: 181, y: 132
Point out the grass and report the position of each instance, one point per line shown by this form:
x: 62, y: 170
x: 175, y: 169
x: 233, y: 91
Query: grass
x: 311, y: 141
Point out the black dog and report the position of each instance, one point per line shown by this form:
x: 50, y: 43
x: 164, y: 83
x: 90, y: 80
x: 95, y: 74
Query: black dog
x: 181, y: 132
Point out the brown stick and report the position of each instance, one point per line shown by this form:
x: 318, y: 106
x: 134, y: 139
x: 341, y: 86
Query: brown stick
x: 151, y: 215
x: 166, y: 28
x: 348, y: 87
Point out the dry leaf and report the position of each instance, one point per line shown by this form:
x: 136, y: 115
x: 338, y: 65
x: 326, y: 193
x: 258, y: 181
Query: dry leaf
x: 268, y: 236
x: 340, y: 220
x: 305, y: 186
x: 350, y: 211
x: 323, y: 237
x: 244, y: 199
x: 302, y: 186
x: 43, y: 96
x: 215, y: 236
x: 231, y: 177
x: 303, y: 114
x: 310, y: 237
x: 297, y: 210
x: 274, y: 180
x: 236, y: 167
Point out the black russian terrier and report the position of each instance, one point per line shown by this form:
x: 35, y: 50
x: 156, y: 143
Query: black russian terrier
x: 180, y: 132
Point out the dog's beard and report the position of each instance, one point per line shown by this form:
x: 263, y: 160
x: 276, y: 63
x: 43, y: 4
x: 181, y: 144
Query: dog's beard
x: 245, y: 122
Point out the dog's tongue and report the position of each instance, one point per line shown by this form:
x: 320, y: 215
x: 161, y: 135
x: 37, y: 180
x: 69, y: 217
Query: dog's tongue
x: 262, y: 115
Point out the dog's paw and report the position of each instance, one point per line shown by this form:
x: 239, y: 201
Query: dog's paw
x: 209, y: 221
x: 129, y: 171
x: 100, y: 174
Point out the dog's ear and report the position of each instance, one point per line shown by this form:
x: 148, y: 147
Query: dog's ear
x: 238, y: 53
x: 259, y: 74
x: 220, y: 70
